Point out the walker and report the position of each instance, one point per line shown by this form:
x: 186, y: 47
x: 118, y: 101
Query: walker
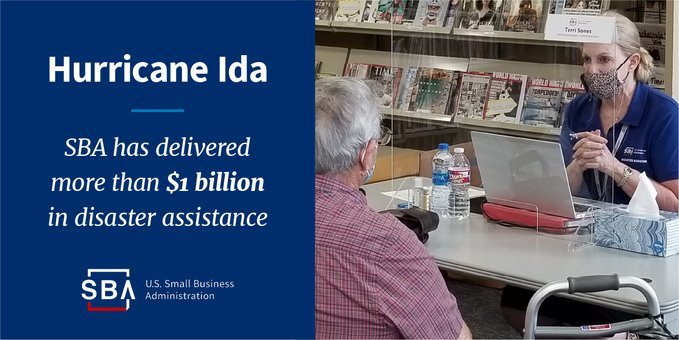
x: 651, y: 325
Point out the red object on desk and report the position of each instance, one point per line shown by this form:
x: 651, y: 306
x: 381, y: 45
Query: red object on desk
x: 525, y: 218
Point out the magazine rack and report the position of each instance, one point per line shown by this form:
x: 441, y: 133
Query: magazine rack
x: 505, y: 49
x: 429, y: 62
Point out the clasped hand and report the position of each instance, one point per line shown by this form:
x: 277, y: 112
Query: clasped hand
x: 591, y: 152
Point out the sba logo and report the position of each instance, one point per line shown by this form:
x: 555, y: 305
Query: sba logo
x: 110, y: 294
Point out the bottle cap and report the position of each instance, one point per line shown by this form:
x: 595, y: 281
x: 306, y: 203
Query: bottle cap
x: 443, y: 146
x: 404, y: 205
x: 418, y: 182
x: 458, y: 150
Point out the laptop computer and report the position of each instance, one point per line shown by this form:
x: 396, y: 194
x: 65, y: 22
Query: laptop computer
x: 527, y: 174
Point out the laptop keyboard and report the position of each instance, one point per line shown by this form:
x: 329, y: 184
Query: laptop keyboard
x: 582, y: 208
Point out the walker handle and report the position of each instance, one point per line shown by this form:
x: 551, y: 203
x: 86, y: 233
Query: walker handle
x: 593, y: 283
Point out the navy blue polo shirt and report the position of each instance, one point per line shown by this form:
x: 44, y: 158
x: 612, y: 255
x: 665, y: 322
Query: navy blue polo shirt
x: 651, y: 143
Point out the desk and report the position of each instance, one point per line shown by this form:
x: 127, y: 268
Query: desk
x: 525, y: 258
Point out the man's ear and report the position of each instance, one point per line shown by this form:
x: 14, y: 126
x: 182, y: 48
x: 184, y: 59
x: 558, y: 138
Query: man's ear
x: 369, y: 155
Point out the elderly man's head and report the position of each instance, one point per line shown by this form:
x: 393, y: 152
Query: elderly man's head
x: 347, y: 128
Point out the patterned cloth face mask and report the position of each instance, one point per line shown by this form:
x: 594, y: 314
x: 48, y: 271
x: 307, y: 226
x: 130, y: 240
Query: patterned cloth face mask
x: 605, y: 85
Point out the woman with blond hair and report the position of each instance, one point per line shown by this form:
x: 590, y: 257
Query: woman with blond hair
x: 618, y: 129
x: 622, y: 127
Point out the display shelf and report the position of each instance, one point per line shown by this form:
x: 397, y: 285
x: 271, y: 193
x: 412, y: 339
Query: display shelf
x: 440, y: 33
x: 389, y: 29
x: 521, y: 130
x: 476, y: 64
x: 332, y: 59
x: 509, y: 37
x: 438, y: 44
x: 323, y: 23
x: 549, y: 71
x: 405, y: 60
x: 500, y: 34
x: 431, y: 118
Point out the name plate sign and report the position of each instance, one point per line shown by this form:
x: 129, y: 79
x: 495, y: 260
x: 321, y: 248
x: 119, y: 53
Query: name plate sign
x: 580, y: 28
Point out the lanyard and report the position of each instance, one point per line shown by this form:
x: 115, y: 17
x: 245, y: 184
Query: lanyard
x: 602, y: 191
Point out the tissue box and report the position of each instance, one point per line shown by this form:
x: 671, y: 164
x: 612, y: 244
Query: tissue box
x: 616, y: 228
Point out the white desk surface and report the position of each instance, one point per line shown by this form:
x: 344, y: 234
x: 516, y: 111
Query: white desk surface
x: 522, y: 257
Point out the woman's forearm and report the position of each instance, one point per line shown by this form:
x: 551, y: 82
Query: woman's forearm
x: 574, y: 177
x: 666, y: 198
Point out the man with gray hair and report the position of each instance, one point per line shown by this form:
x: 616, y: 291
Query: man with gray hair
x: 374, y: 279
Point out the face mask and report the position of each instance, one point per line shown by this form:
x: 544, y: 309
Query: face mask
x: 369, y: 175
x: 604, y: 85
x: 370, y: 172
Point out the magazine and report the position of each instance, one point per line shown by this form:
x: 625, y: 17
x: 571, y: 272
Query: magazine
x: 454, y: 8
x: 505, y: 97
x: 481, y: 14
x: 581, y: 7
x: 655, y: 17
x: 383, y: 79
x: 388, y: 11
x: 472, y: 94
x: 400, y: 12
x: 434, y: 86
x: 522, y: 15
x: 653, y: 40
x: 317, y: 68
x: 409, y: 89
x: 556, y: 6
x: 452, y: 98
x: 349, y: 10
x: 542, y: 103
x: 571, y: 89
x: 359, y: 71
x: 325, y: 9
x: 658, y: 79
x: 431, y: 13
x: 654, y: 12
x: 410, y: 11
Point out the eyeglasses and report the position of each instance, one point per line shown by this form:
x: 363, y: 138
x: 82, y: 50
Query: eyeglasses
x: 385, y: 135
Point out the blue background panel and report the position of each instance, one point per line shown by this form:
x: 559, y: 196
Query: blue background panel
x: 43, y: 267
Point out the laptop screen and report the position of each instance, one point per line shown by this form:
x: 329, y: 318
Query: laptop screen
x: 523, y: 173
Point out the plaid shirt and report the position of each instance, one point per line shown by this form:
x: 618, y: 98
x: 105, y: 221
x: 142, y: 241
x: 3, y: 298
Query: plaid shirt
x: 374, y: 279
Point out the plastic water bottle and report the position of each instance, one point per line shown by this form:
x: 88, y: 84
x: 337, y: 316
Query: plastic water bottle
x: 440, y: 191
x: 460, y: 177
x: 417, y: 193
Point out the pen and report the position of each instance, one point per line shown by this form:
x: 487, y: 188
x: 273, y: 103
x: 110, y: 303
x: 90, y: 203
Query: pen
x: 578, y: 135
x: 574, y: 136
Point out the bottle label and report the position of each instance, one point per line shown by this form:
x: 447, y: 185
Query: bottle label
x: 459, y: 176
x: 440, y: 178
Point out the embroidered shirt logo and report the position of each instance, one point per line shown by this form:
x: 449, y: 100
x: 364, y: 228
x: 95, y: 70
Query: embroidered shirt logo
x: 634, y: 155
